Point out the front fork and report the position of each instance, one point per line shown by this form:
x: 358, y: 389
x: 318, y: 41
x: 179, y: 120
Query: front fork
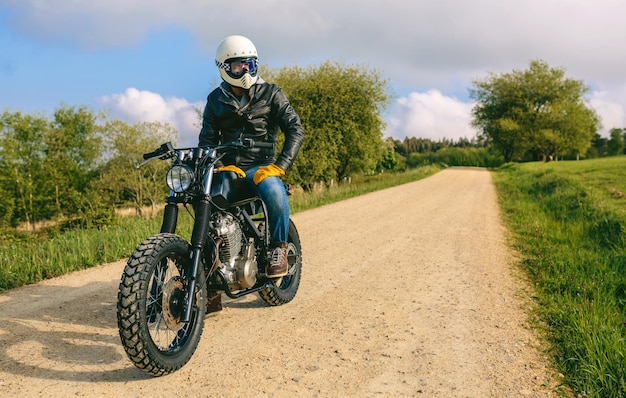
x: 170, y: 217
x: 198, y: 238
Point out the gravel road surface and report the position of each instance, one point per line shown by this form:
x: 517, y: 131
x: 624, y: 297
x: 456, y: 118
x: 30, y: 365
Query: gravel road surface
x: 406, y: 292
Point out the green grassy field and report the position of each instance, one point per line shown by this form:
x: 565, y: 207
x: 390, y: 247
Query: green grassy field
x: 568, y: 222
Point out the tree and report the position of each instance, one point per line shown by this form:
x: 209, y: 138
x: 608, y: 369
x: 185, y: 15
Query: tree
x: 21, y: 161
x: 389, y: 160
x: 47, y: 165
x: 341, y: 109
x: 615, y: 145
x: 120, y: 182
x: 537, y: 111
x: 599, y: 147
x: 72, y: 149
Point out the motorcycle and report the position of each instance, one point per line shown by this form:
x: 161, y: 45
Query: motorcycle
x: 168, y: 281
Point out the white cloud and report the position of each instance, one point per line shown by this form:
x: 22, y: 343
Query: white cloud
x: 145, y: 106
x: 430, y: 115
x: 610, y: 107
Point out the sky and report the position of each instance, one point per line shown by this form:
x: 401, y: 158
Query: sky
x: 141, y: 60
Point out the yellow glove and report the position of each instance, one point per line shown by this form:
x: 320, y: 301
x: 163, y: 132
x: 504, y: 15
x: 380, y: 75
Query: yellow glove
x: 234, y: 169
x: 267, y: 171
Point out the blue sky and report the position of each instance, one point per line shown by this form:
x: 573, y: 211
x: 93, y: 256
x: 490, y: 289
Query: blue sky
x: 153, y: 60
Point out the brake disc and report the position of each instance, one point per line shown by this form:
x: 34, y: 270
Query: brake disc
x: 173, y: 303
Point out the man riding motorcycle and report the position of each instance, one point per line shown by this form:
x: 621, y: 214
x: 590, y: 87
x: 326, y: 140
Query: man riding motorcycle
x: 245, y: 107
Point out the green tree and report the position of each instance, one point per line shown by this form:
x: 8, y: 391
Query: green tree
x: 21, y: 163
x: 47, y: 165
x: 389, y: 160
x: 537, y: 111
x: 341, y: 109
x: 615, y: 145
x: 72, y: 150
x: 120, y: 182
x: 599, y: 147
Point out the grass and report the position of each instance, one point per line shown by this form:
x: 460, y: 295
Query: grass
x: 568, y: 222
x: 28, y: 258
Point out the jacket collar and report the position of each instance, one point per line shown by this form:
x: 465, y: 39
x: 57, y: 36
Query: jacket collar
x: 230, y: 98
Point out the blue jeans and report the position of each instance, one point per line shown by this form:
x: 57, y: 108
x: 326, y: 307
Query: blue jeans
x: 272, y: 191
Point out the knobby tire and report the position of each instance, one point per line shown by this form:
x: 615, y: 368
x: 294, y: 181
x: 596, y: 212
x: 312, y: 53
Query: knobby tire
x: 149, y: 306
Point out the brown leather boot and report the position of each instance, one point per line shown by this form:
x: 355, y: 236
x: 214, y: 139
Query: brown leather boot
x: 278, y: 265
x: 214, y: 304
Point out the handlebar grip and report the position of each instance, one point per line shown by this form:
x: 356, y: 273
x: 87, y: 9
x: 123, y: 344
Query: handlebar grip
x: 153, y: 154
x: 252, y: 144
x: 264, y: 145
x: 166, y: 148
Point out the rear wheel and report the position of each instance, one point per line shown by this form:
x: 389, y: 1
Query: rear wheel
x: 284, y: 289
x: 150, y: 304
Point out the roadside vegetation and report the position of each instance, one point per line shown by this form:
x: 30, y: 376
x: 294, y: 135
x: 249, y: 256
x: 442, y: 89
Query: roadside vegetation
x: 28, y: 258
x: 568, y: 223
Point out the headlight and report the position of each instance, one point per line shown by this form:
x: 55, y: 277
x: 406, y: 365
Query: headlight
x: 179, y: 178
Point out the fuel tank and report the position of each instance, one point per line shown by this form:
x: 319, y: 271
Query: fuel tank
x: 230, y: 190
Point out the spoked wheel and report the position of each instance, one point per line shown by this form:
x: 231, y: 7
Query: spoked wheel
x: 151, y: 300
x: 284, y: 289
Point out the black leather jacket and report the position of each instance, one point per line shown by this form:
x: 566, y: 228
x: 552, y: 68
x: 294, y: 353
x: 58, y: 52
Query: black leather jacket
x: 225, y: 119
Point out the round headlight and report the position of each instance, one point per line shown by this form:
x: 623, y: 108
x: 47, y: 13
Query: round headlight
x: 179, y: 178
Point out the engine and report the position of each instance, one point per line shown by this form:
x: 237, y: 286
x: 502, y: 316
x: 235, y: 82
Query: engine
x: 237, y: 255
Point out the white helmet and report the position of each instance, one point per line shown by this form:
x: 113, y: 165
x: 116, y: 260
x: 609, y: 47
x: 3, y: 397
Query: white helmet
x: 237, y: 61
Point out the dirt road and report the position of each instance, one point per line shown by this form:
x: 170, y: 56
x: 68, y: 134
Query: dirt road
x: 405, y: 292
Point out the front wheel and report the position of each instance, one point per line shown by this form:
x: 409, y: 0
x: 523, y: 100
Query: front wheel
x: 150, y: 304
x: 284, y: 289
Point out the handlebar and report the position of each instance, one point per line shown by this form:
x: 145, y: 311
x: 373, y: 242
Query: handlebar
x: 250, y: 143
x: 164, y: 149
x: 167, y: 150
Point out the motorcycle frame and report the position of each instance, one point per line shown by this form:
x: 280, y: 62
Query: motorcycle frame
x: 203, y: 207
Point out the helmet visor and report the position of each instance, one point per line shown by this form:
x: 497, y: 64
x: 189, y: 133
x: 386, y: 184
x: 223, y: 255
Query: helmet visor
x: 237, y: 67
